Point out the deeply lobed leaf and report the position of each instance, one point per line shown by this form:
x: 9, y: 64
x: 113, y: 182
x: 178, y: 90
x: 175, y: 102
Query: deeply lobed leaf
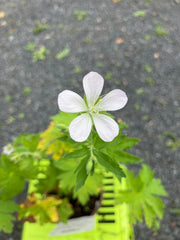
x: 6, y: 217
x: 142, y: 196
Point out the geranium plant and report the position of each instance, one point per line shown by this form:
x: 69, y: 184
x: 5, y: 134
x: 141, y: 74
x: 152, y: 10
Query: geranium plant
x: 66, y: 163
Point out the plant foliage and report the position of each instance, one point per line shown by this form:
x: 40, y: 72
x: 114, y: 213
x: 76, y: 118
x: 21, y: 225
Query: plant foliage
x: 142, y: 195
x: 61, y: 171
x: 6, y: 217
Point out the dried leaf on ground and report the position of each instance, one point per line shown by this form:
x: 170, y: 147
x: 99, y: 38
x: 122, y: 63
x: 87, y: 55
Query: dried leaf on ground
x: 2, y: 14
x: 119, y: 40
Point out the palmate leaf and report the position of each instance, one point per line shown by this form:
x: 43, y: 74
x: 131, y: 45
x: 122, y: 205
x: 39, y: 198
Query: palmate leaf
x: 11, y: 181
x: 42, y: 211
x: 21, y: 162
x: 65, y: 210
x: 12, y: 186
x: 29, y: 141
x: 52, y: 142
x: 66, y: 174
x: 13, y: 175
x: 142, y: 194
x: 55, y: 139
x: 6, y: 217
x: 92, y: 187
x: 49, y: 180
x: 67, y: 177
x: 79, y: 159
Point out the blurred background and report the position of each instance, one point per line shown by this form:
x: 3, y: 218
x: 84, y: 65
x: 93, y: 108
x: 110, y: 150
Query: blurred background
x: 47, y: 46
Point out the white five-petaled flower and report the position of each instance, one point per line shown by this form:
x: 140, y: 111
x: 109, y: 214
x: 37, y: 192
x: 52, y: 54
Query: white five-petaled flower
x: 8, y: 149
x: 91, y: 109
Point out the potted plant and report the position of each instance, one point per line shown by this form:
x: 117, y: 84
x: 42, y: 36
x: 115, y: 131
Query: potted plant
x: 77, y: 168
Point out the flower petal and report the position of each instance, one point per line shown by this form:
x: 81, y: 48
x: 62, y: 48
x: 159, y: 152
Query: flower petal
x: 106, y: 127
x: 69, y: 101
x: 114, y: 100
x: 93, y: 85
x: 80, y: 127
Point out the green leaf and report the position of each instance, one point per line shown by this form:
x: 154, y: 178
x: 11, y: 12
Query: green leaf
x: 156, y: 204
x: 43, y: 211
x: 120, y: 142
x: 6, y: 218
x: 149, y: 214
x: 146, y: 174
x: 66, y: 174
x: 20, y: 163
x: 92, y: 187
x: 83, y: 195
x: 142, y: 194
x: 155, y: 186
x: 98, y: 143
x: 83, y: 152
x: 31, y: 142
x: 65, y: 210
x: 11, y: 181
x: 81, y: 173
x: 47, y: 183
x: 109, y: 164
x: 10, y: 185
x: 126, y: 143
x: 63, y: 119
x: 124, y: 157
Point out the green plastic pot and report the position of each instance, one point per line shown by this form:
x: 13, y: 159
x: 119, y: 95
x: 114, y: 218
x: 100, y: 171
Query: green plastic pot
x: 111, y: 220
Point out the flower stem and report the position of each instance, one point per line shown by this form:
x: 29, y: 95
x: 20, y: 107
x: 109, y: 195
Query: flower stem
x: 90, y: 164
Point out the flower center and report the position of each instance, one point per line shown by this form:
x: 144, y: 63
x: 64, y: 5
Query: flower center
x: 93, y: 110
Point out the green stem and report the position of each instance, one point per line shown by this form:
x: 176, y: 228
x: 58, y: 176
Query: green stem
x: 91, y: 146
x: 90, y: 164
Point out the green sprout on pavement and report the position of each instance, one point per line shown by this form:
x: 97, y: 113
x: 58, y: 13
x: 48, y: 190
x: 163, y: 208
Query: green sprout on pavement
x: 108, y: 76
x: 149, y: 80
x: 145, y: 118
x: 40, y: 27
x: 26, y: 91
x: 159, y: 31
x: 140, y: 91
x: 8, y: 98
x: 21, y: 115
x: 78, y: 70
x: 64, y: 53
x: 80, y: 15
x: 137, y: 107
x: 30, y: 47
x: 148, y: 68
x: 173, y: 142
x: 140, y: 13
x: 10, y: 120
x: 147, y: 37
x: 40, y: 54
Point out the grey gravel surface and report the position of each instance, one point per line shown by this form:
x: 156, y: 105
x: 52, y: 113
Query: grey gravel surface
x: 125, y: 49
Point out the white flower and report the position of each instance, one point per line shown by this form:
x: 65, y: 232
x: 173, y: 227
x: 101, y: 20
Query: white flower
x: 8, y: 149
x: 91, y: 109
